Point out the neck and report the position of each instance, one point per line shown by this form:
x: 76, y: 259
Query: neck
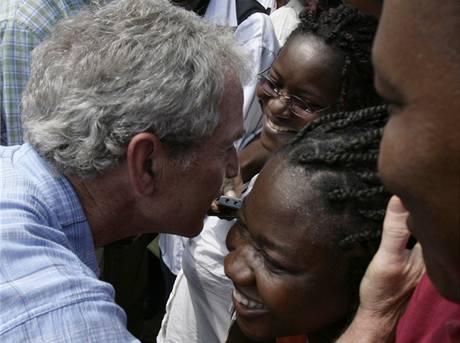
x: 106, y: 203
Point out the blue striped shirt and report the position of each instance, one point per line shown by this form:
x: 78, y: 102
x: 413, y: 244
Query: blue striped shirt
x: 49, y: 289
x: 23, y: 25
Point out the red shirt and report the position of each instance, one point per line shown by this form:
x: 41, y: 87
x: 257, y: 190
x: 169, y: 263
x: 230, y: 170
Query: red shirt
x: 429, y: 318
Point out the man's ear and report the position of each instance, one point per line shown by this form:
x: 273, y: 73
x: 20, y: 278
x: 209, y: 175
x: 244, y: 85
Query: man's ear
x: 143, y: 151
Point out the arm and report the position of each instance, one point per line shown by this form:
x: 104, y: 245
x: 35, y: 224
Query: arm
x: 388, y: 283
x: 95, y: 320
x: 16, y: 47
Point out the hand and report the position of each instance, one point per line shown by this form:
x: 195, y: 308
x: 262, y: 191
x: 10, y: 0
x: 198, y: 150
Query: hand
x: 233, y: 187
x: 389, y: 281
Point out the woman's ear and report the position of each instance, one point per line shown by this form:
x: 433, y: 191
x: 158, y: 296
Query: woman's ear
x: 142, y: 152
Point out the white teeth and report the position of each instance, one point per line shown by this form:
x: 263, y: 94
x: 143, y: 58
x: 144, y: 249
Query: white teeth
x: 246, y: 302
x: 275, y: 127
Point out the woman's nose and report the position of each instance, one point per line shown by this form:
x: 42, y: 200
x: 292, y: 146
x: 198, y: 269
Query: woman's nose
x: 236, y: 263
x: 279, y: 106
x: 237, y: 269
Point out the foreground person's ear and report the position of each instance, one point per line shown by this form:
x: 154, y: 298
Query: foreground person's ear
x: 143, y: 151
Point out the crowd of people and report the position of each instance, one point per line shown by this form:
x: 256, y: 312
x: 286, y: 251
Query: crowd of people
x: 334, y: 122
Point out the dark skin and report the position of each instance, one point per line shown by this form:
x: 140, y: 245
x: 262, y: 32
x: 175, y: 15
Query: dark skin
x: 373, y: 7
x: 281, y: 257
x: 417, y: 63
x: 307, y: 68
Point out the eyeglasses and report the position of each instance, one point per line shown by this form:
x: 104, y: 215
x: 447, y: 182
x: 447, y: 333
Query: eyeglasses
x: 297, y: 106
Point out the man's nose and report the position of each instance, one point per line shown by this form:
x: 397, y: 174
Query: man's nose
x: 232, y: 164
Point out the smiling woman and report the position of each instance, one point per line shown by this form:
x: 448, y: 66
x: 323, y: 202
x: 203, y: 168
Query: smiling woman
x: 297, y: 254
x: 325, y: 66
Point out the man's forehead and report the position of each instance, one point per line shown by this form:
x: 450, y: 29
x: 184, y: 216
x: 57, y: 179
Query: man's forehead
x: 412, y: 36
x: 426, y: 22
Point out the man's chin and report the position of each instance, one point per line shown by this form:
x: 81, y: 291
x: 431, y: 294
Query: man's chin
x: 192, y: 230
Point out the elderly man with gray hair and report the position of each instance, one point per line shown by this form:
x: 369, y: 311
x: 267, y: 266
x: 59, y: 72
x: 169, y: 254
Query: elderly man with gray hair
x: 130, y: 116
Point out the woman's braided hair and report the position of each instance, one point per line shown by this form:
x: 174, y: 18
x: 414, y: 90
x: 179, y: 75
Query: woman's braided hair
x: 342, y: 149
x: 352, y: 33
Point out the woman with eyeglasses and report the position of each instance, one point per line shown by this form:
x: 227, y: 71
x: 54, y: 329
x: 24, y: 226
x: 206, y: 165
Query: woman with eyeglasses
x: 324, y: 67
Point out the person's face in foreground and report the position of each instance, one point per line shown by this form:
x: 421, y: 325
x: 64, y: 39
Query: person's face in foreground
x: 417, y: 61
x: 191, y: 188
x: 308, y: 70
x: 289, y: 277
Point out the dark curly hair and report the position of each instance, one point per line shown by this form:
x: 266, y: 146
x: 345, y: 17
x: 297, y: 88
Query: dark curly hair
x: 338, y: 153
x: 351, y: 33
x: 344, y: 147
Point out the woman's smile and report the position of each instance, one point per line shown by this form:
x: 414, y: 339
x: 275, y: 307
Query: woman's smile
x: 269, y: 123
x: 247, y: 307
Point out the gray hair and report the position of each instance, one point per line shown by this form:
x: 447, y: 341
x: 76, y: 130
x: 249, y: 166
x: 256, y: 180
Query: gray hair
x: 117, y: 70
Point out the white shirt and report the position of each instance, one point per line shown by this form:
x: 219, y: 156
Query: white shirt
x: 286, y: 19
x: 199, y: 308
x: 258, y: 39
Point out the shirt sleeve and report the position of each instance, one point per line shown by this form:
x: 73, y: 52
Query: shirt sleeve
x: 257, y: 38
x: 16, y: 45
x: 87, y: 321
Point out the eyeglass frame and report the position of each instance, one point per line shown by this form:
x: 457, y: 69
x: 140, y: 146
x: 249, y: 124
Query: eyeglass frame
x: 263, y: 77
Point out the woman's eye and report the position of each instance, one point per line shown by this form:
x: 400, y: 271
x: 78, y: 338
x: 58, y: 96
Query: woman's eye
x: 269, y: 88
x: 273, y: 266
x: 304, y: 104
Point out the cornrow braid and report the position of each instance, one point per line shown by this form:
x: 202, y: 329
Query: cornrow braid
x: 341, y: 150
x: 332, y: 121
x: 352, y: 33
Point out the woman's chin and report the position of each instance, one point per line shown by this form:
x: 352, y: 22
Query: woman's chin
x: 255, y: 334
